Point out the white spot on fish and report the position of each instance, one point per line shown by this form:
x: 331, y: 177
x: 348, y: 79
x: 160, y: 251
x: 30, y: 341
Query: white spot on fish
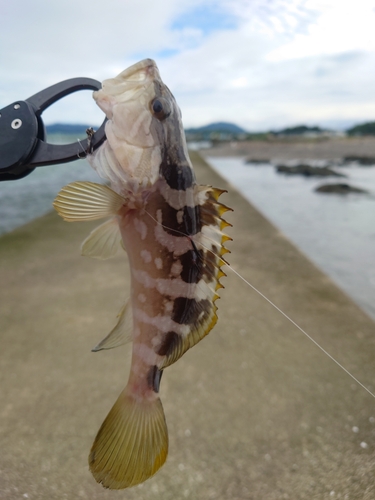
x: 184, y: 330
x: 144, y: 278
x: 142, y: 298
x: 180, y: 216
x: 147, y: 354
x: 141, y: 228
x: 155, y: 340
x: 176, y: 268
x: 158, y: 263
x: 146, y: 256
x: 168, y: 307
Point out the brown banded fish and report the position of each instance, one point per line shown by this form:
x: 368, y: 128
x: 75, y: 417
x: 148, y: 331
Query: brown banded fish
x: 172, y: 230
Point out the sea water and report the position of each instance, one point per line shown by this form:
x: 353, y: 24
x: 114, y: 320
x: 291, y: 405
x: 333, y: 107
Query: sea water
x: 337, y: 232
x: 25, y: 199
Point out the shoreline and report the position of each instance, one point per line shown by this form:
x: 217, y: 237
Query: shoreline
x: 255, y: 410
x: 335, y: 232
x: 296, y: 149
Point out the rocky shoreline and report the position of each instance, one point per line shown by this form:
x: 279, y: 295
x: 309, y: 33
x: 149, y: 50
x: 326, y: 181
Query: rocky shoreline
x: 281, y: 150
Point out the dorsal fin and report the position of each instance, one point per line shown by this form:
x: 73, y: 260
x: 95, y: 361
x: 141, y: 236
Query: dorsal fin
x: 199, y: 314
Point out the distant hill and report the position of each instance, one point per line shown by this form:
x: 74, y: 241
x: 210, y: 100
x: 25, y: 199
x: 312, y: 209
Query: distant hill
x: 363, y: 129
x: 299, y: 130
x: 220, y: 127
x: 68, y: 128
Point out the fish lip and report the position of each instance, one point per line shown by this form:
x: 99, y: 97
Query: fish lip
x: 147, y: 67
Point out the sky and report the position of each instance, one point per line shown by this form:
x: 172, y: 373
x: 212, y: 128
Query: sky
x: 262, y: 64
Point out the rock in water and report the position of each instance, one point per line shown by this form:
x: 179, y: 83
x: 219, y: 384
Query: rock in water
x: 339, y: 189
x: 362, y: 160
x: 257, y: 161
x: 308, y: 171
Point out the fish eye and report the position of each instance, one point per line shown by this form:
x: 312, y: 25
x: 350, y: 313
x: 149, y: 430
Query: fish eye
x: 160, y: 108
x: 157, y: 106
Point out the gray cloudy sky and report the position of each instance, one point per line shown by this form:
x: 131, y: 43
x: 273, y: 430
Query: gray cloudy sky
x: 259, y: 63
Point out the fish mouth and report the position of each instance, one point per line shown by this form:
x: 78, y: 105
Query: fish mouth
x: 139, y: 76
x: 140, y: 71
x: 133, y: 84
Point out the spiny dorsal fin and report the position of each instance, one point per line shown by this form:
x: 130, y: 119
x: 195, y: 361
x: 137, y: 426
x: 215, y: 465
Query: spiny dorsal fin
x: 79, y: 201
x: 209, y: 243
x: 121, y: 333
x: 104, y: 242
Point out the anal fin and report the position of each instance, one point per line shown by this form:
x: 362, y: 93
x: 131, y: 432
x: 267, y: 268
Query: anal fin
x: 121, y: 333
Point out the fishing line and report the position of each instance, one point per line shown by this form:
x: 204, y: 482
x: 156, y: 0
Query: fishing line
x: 265, y: 298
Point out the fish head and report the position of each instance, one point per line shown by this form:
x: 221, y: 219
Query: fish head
x: 144, y: 129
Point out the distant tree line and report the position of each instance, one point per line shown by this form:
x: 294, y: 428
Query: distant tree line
x: 364, y: 129
x: 223, y: 131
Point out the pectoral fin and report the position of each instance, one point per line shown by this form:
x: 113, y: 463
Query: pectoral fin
x: 121, y: 334
x: 104, y: 242
x: 81, y: 201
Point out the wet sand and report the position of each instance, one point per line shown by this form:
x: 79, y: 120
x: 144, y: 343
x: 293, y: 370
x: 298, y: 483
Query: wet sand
x: 303, y: 149
x: 255, y: 411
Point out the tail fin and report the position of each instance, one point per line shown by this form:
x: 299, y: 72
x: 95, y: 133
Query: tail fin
x: 132, y: 443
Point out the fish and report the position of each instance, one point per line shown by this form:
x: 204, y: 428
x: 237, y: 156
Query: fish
x: 173, y: 232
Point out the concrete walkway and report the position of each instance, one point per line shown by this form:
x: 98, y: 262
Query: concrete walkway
x: 255, y: 411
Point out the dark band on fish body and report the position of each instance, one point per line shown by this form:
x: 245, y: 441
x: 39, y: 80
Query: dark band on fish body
x: 192, y: 264
x: 190, y: 220
x: 154, y: 377
x: 168, y: 344
x: 198, y: 264
x: 187, y: 311
x: 177, y: 176
x: 175, y: 167
x: 210, y: 265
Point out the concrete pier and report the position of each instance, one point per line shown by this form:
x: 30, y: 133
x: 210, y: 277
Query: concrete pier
x: 255, y: 411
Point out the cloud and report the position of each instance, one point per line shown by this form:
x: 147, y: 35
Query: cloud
x: 340, y: 27
x: 259, y: 64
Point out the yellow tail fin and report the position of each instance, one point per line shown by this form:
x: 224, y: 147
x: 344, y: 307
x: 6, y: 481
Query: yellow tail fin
x: 132, y: 443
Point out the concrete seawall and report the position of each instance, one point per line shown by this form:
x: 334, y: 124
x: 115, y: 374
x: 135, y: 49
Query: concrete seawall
x: 255, y: 411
